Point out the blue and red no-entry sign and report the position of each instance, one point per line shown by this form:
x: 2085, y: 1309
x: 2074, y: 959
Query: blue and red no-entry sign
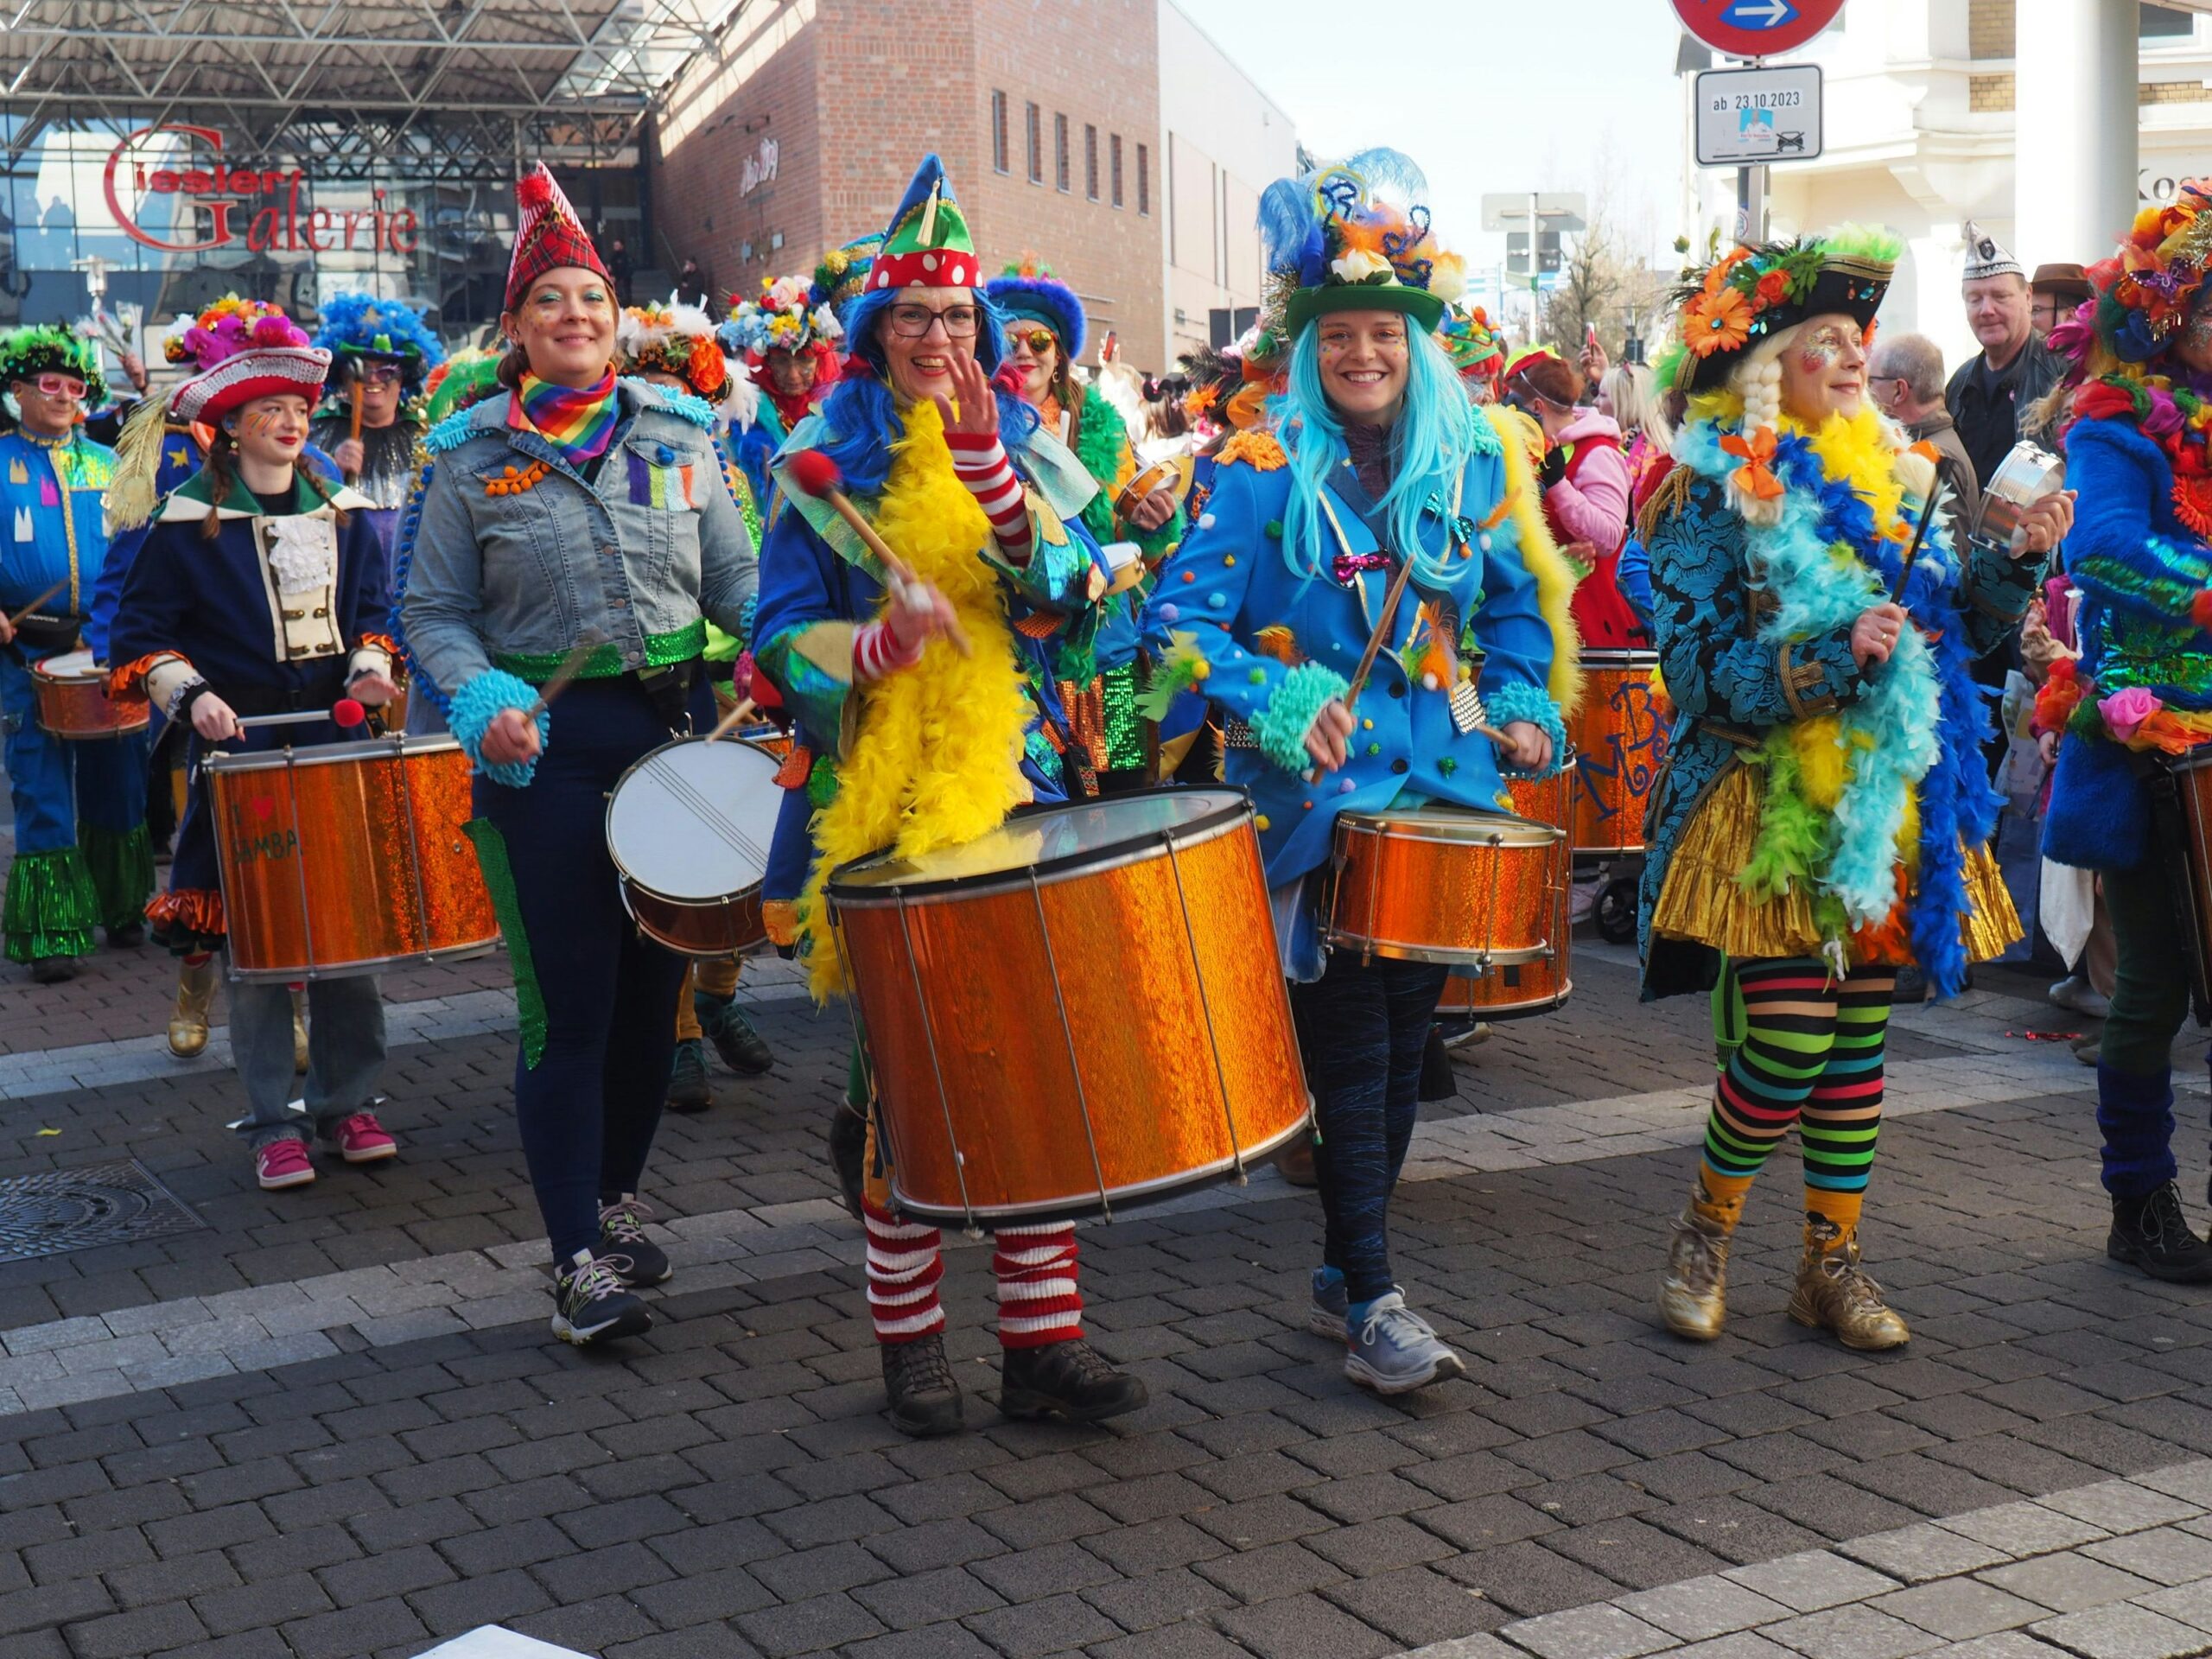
x: 1756, y: 29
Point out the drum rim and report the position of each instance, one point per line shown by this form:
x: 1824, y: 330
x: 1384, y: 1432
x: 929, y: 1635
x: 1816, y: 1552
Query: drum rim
x: 607, y: 819
x: 1619, y: 657
x: 92, y: 675
x: 2192, y: 760
x: 367, y: 964
x: 1381, y: 825
x: 391, y: 745
x: 1521, y: 1010
x: 1234, y: 806
x: 1437, y: 955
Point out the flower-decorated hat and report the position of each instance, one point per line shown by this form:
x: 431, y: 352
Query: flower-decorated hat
x: 228, y: 326
x: 678, y: 339
x: 25, y: 353
x: 1748, y: 297
x: 927, y: 244
x: 791, y: 315
x: 1351, y: 236
x: 1029, y: 289
x: 1471, y: 341
x: 549, y: 236
x: 359, y: 328
x: 2146, y: 292
x: 257, y: 371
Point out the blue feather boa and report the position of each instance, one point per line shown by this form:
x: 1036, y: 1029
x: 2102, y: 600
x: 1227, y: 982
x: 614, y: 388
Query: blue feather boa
x: 1923, y: 716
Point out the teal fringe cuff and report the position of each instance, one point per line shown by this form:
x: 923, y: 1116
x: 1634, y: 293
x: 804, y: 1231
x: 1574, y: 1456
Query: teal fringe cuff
x: 500, y: 883
x: 51, y: 907
x: 122, y: 869
x: 1521, y: 700
x: 479, y: 702
x: 1281, y: 723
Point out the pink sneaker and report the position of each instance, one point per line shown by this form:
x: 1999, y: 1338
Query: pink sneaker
x: 283, y: 1163
x: 362, y: 1140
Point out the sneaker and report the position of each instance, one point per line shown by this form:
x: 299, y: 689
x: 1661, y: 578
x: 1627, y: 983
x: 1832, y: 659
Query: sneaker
x: 283, y: 1163
x: 1391, y: 1349
x: 2077, y: 995
x: 742, y: 1048
x: 361, y: 1139
x: 688, y: 1089
x: 1694, y: 1290
x: 52, y: 971
x: 1068, y: 1380
x: 1834, y: 1294
x: 624, y: 1247
x: 917, y: 1381
x: 196, y: 994
x: 2151, y: 1233
x: 591, y: 1304
x: 1331, y: 1305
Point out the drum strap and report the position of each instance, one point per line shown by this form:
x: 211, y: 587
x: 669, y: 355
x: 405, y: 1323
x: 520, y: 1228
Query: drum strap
x: 670, y: 689
x: 2169, y: 853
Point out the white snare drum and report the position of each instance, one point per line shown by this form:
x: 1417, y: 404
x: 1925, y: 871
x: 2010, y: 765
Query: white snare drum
x: 688, y: 827
x: 73, y: 700
x: 2026, y: 475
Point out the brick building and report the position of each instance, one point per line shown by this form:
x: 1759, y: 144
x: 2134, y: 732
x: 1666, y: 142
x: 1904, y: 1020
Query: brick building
x: 800, y: 132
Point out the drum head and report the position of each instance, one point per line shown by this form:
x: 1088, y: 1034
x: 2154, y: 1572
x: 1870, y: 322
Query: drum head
x: 1450, y: 823
x: 1081, y: 835
x: 69, y: 665
x: 693, y: 819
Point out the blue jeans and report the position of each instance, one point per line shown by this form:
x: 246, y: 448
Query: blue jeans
x: 1361, y: 1032
x: 344, y: 1053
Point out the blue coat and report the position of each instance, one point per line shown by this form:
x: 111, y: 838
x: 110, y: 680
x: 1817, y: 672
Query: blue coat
x: 1229, y: 580
x: 2137, y: 567
x: 50, y: 502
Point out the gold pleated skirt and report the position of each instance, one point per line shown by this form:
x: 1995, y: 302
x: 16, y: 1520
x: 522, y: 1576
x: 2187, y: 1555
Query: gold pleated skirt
x: 1704, y: 902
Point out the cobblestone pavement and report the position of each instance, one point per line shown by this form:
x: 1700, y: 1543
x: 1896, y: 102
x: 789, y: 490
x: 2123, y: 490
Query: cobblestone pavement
x: 394, y: 1451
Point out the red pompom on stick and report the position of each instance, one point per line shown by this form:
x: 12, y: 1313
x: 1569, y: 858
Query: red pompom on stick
x: 348, y: 712
x: 817, y: 475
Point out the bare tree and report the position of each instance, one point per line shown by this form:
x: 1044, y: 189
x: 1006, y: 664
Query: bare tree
x: 1603, y: 285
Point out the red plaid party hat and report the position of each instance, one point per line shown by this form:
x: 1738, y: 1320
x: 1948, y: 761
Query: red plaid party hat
x: 550, y: 235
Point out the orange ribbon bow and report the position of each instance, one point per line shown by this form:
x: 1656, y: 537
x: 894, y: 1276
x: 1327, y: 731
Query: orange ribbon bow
x: 1755, y: 478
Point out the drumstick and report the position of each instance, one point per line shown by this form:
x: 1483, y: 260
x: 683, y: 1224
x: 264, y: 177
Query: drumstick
x: 354, y: 390
x: 728, y: 723
x: 36, y: 603
x: 1374, y: 645
x: 571, y: 666
x: 1919, y: 534
x: 817, y: 475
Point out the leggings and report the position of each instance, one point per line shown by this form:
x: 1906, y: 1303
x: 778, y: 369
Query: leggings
x: 2149, y: 1001
x: 589, y: 1107
x: 1361, y: 1031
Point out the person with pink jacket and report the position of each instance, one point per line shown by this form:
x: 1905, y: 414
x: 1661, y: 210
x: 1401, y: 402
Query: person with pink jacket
x: 1585, y: 483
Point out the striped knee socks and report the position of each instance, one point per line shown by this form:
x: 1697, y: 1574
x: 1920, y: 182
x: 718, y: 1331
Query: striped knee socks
x: 1038, y: 1301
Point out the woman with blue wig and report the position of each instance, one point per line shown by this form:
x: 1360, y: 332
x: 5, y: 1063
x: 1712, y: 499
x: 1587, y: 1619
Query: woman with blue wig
x: 1376, y: 457
x: 905, y: 742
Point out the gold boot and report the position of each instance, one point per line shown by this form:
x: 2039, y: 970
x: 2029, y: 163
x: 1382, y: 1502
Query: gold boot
x: 1834, y: 1294
x: 299, y: 1029
x: 1694, y: 1291
x: 196, y: 994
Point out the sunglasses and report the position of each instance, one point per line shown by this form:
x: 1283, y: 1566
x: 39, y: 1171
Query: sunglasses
x: 59, y: 386
x: 382, y: 374
x: 1038, y: 340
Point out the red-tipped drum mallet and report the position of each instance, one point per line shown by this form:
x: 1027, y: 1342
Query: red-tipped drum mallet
x: 818, y: 476
x: 347, y: 712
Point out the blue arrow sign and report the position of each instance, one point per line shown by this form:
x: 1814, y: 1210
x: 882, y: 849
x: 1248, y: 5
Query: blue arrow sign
x: 1760, y: 13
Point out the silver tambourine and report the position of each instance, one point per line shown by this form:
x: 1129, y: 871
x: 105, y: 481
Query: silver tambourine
x: 2029, y: 474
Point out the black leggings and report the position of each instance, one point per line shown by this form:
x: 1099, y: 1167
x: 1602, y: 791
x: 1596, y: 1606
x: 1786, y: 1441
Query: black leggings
x: 589, y: 1107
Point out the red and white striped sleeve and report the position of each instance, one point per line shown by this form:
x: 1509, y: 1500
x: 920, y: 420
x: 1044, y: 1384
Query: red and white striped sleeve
x: 979, y: 460
x: 876, y: 653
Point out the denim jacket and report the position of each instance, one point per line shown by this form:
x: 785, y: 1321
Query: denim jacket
x: 507, y: 557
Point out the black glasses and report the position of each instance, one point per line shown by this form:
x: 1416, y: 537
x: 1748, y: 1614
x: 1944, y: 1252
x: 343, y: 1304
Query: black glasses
x: 912, y: 321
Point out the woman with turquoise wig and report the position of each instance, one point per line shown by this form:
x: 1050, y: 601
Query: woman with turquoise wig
x: 1374, y: 456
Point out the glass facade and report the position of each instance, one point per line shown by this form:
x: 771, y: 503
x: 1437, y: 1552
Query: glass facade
x: 178, y: 215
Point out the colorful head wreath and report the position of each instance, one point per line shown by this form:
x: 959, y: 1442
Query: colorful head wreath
x: 1352, y: 236
x: 2147, y: 290
x: 356, y: 327
x: 1470, y: 339
x: 1029, y: 289
x: 228, y: 326
x: 790, y: 313
x: 461, y: 381
x: 25, y: 353
x: 1749, y: 295
x: 678, y: 339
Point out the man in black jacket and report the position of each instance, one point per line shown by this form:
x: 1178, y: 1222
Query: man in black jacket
x: 1992, y: 391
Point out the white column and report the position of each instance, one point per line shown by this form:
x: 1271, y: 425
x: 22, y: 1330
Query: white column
x: 2076, y: 120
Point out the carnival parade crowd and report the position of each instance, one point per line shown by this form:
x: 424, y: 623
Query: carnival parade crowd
x: 704, y: 636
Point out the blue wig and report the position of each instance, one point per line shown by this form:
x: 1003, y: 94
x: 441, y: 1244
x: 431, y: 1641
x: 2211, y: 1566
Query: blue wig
x: 1046, y: 300
x: 861, y: 411
x: 362, y: 325
x: 1432, y: 442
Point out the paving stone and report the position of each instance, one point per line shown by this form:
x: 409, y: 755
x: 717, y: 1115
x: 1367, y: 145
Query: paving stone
x: 2024, y: 1529
x: 1303, y: 1627
x: 2121, y: 1506
x: 2067, y: 1583
x: 1698, y: 1609
x: 1851, y: 1633
x: 2164, y: 1555
x: 1602, y: 1632
x: 1812, y: 1580
x: 1917, y: 1553
x: 2190, y: 1603
x: 2122, y: 1632
x: 1959, y: 1610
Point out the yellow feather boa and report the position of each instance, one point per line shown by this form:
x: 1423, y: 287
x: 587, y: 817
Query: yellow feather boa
x: 935, y: 757
x: 1555, y: 578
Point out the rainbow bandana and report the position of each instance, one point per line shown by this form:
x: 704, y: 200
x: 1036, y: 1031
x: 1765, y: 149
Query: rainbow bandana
x: 577, y: 423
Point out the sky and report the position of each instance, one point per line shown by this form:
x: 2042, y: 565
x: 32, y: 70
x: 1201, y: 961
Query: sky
x: 1486, y: 95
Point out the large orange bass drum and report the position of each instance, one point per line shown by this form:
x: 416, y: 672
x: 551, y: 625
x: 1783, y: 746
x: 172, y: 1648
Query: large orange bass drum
x: 1619, y: 736
x: 1079, y: 1010
x: 1515, y: 990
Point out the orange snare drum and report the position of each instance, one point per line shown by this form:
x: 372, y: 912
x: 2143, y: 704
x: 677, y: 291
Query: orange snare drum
x: 347, y: 858
x: 1515, y: 990
x: 1620, y: 740
x: 73, y: 700
x: 1078, y: 1011
x: 1442, y: 884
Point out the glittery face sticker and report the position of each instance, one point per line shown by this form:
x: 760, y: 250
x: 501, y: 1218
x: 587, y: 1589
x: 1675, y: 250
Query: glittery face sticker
x: 1819, y: 349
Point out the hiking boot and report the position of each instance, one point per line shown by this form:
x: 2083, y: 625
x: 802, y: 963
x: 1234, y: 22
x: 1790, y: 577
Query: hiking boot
x: 1391, y: 1349
x: 1331, y: 1305
x: 591, y: 1304
x: 2151, y: 1233
x: 624, y: 1247
x: 1834, y: 1294
x: 688, y: 1090
x: 1068, y: 1380
x: 195, y: 995
x: 917, y: 1381
x: 1694, y: 1290
x: 848, y: 1138
x: 742, y: 1048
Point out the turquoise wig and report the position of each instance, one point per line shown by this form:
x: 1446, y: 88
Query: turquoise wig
x: 1431, y: 442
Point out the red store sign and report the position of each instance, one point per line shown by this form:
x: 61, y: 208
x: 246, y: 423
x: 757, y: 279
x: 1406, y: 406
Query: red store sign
x: 269, y: 202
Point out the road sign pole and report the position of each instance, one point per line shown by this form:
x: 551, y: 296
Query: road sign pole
x: 1751, y: 205
x: 1535, y: 260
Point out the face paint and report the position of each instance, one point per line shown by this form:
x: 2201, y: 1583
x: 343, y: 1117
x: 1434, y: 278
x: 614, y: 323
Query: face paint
x: 1820, y: 348
x: 260, y: 422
